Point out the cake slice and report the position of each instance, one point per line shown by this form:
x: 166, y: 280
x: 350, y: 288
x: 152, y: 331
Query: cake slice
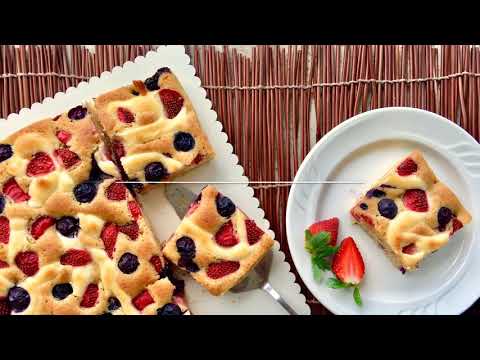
x: 153, y: 128
x: 216, y: 242
x: 410, y: 212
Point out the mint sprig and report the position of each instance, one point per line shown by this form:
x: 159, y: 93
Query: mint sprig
x: 319, y: 247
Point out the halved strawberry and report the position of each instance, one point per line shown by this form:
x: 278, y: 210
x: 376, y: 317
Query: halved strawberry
x: 40, y: 164
x: 142, y: 300
x: 131, y: 230
x: 5, y: 308
x: 27, y: 261
x: 254, y: 233
x: 407, y: 167
x: 90, y: 296
x: 125, y: 115
x: 14, y: 191
x: 220, y: 269
x: 3, y: 264
x: 109, y: 237
x: 156, y: 261
x: 40, y: 225
x: 135, y: 209
x: 64, y: 136
x: 76, y: 257
x: 226, y: 236
x: 456, y: 225
x: 67, y: 157
x: 415, y: 200
x: 116, y: 191
x: 410, y: 249
x: 172, y: 101
x: 4, y: 230
x: 347, y: 264
x: 329, y: 225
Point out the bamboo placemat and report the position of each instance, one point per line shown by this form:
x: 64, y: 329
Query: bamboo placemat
x: 275, y: 102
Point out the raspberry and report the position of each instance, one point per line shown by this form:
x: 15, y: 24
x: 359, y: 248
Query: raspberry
x: 142, y: 300
x: 157, y: 263
x: 4, y: 230
x: 221, y: 269
x: 40, y: 164
x: 14, y: 191
x: 172, y: 101
x: 407, y: 167
x: 254, y: 233
x: 415, y: 200
x: 118, y: 149
x: 76, y: 257
x: 131, y: 230
x: 225, y: 236
x: 40, y: 225
x: 125, y: 115
x: 67, y: 157
x: 90, y: 296
x: 64, y: 136
x: 109, y: 237
x: 456, y: 225
x: 5, y: 308
x: 116, y: 191
x: 3, y: 264
x: 27, y: 262
x: 134, y: 209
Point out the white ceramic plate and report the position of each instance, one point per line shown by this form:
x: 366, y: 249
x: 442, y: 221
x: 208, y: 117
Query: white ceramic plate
x: 363, y: 148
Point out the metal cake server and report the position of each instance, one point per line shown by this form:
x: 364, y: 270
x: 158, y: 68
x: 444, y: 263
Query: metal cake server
x: 181, y: 198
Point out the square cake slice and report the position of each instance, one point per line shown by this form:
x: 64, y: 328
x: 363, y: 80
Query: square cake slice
x: 216, y: 242
x: 409, y: 212
x: 73, y: 239
x: 153, y: 128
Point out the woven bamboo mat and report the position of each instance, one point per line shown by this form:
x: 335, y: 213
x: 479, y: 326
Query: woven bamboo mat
x: 275, y: 102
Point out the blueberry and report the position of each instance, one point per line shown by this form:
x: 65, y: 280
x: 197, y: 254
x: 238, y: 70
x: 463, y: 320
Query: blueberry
x: 77, y: 113
x: 183, y: 141
x: 2, y: 203
x: 61, y: 291
x: 169, y: 309
x: 225, y: 206
x: 375, y: 193
x: 152, y: 82
x: 6, y: 152
x: 68, y: 226
x: 363, y: 206
x: 186, y: 247
x: 18, y: 298
x: 387, y: 208
x: 188, y: 264
x: 113, y: 303
x: 155, y: 171
x: 135, y: 93
x: 444, y: 216
x: 128, y: 263
x: 402, y: 269
x: 85, y: 192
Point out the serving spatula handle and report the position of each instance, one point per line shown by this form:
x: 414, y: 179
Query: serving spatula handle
x: 276, y: 296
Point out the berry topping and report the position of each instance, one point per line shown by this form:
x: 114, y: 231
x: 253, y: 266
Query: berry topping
x: 14, y: 191
x: 6, y: 152
x: 225, y: 206
x: 61, y: 291
x: 142, y: 300
x: 85, y: 192
x: 64, y: 136
x: 254, y: 233
x: 76, y: 257
x: 375, y: 193
x: 410, y: 249
x: 367, y: 219
x: 186, y: 247
x: 456, y: 225
x: 5, y: 308
x: 40, y: 164
x: 131, y: 230
x: 125, y: 115
x: 27, y: 261
x: 226, y: 236
x: 113, y: 304
x: 40, y: 225
x: 77, y: 113
x: 221, y: 269
x: 128, y: 263
x: 116, y: 191
x: 156, y: 262
x: 90, y: 296
x: 407, y: 167
x: 155, y: 171
x: 68, y: 226
x: 329, y: 225
x: 444, y: 216
x: 109, y: 237
x: 3, y: 264
x: 347, y: 263
x: 415, y: 200
x: 118, y: 149
x: 197, y: 159
x: 2, y: 203
x: 188, y: 264
x: 67, y: 157
x: 387, y: 208
x: 172, y: 102
x: 183, y: 141
x: 363, y: 206
x: 135, y: 209
x: 169, y: 309
x: 18, y: 299
x: 152, y: 82
x: 4, y: 230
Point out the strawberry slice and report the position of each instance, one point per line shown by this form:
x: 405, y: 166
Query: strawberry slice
x: 415, y: 200
x: 40, y: 164
x: 109, y: 237
x: 407, y: 167
x: 172, y: 101
x: 142, y: 300
x: 116, y: 191
x: 14, y: 191
x: 125, y: 115
x: 27, y: 261
x: 76, y: 257
x: 220, y: 269
x: 347, y: 264
x: 40, y: 225
x: 131, y: 230
x: 90, y: 296
x: 456, y: 225
x: 226, y: 236
x: 67, y: 157
x: 156, y: 261
x: 3, y: 264
x: 254, y: 233
x: 64, y: 136
x: 135, y: 209
x: 329, y: 225
x: 4, y: 230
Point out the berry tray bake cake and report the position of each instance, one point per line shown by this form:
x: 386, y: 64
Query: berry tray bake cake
x: 216, y: 242
x: 410, y: 212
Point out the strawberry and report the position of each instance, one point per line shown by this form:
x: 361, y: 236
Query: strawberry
x: 226, y: 236
x: 118, y: 149
x: 156, y: 261
x: 27, y: 262
x: 14, y: 191
x: 64, y: 136
x: 347, y: 264
x: 116, y: 191
x: 40, y: 225
x: 76, y: 257
x: 40, y: 164
x: 67, y: 157
x: 90, y: 296
x: 329, y: 225
x: 172, y: 101
x: 5, y: 308
x: 135, y: 209
x: 254, y: 233
x: 4, y: 230
x: 407, y: 167
x: 3, y: 264
x: 131, y: 230
x: 109, y: 237
x: 415, y: 200
x: 410, y: 249
x: 456, y: 225
x: 142, y: 300
x: 220, y: 269
x: 125, y: 115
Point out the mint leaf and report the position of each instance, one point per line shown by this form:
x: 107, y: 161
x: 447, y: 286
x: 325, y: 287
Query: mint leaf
x: 317, y: 272
x: 316, y: 243
x: 321, y: 262
x: 334, y: 283
x: 356, y: 296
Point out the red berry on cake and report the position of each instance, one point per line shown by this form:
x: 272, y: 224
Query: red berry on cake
x: 407, y: 167
x: 41, y: 164
x: 415, y: 200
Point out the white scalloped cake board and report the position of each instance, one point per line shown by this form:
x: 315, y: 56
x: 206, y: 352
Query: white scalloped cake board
x: 224, y: 167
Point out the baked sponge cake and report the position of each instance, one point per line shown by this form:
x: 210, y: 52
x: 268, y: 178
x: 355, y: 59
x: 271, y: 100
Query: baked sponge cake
x: 73, y: 239
x: 153, y: 128
x: 410, y: 212
x: 216, y: 242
